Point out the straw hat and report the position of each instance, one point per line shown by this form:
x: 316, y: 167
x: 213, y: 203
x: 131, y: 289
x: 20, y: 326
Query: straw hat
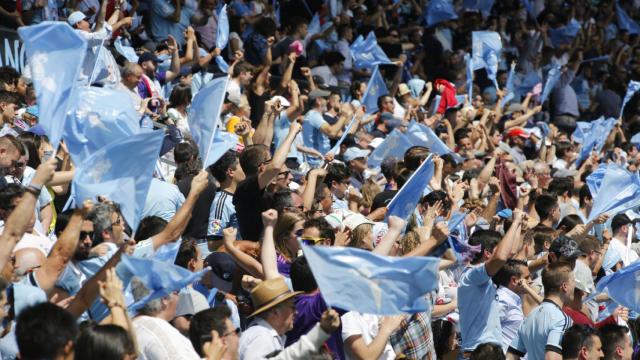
x: 270, y: 293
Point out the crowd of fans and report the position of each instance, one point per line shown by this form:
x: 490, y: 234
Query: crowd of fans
x: 524, y: 285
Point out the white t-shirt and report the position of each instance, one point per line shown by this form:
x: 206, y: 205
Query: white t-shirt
x: 366, y: 325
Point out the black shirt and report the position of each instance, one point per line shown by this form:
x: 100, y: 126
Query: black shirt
x: 250, y: 201
x: 197, y: 227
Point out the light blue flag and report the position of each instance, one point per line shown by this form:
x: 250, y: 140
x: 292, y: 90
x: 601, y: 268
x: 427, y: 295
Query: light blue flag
x: 366, y: 53
x: 635, y: 139
x: 420, y: 134
x: 375, y: 88
x: 632, y: 88
x: 407, y: 198
x: 619, y: 191
x: 55, y: 54
x: 204, y: 116
x: 394, y: 145
x: 486, y: 51
x: 625, y: 22
x: 594, y: 180
x: 483, y: 6
x: 564, y: 35
x: 122, y: 172
x: 223, y: 141
x: 594, y: 139
x: 416, y: 86
x: 438, y: 11
x: 358, y: 280
x: 222, y: 37
x: 469, y: 62
x: 623, y: 286
x: 159, y: 277
x: 336, y: 148
x: 582, y: 128
x: 168, y: 252
x: 509, y: 87
x: 101, y: 116
x: 127, y: 51
x: 552, y: 79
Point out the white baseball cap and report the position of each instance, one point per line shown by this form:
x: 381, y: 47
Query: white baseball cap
x: 76, y: 17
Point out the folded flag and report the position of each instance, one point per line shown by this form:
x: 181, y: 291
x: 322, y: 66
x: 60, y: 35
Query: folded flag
x: 358, y: 280
x: 625, y: 22
x: 552, y: 79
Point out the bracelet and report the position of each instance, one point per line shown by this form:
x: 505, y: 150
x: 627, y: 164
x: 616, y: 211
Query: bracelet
x: 33, y: 189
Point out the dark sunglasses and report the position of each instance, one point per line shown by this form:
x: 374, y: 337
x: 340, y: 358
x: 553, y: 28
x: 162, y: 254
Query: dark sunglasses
x: 311, y: 241
x: 84, y: 234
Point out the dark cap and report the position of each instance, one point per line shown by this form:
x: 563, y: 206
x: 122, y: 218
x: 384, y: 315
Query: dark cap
x: 146, y: 56
x: 223, y: 267
x: 565, y: 246
x: 383, y: 199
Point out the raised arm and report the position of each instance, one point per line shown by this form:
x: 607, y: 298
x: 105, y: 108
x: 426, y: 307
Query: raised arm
x: 505, y: 249
x: 16, y: 224
x: 268, y: 256
x: 279, y: 157
x: 174, y: 71
x: 62, y: 251
x: 396, y: 225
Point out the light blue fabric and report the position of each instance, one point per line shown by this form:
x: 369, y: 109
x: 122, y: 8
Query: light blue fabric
x: 632, y: 88
x: 618, y: 192
x: 102, y: 116
x: 625, y: 22
x: 394, y: 145
x: 358, y: 280
x: 543, y: 327
x: 622, y: 286
x: 204, y: 115
x: 159, y: 277
x: 407, y: 198
x: 438, y: 11
x: 552, y: 79
x: 375, y: 88
x: 113, y: 172
x: 484, y: 6
x: 313, y: 137
x: 420, y: 134
x: 367, y: 53
x: 564, y: 35
x: 55, y: 55
x: 595, y: 138
x: 163, y: 200
x: 222, y: 37
x: 486, y: 50
x: 479, y: 308
x: 280, y: 132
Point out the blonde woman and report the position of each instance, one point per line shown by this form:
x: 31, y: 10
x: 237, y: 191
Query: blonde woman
x: 288, y: 229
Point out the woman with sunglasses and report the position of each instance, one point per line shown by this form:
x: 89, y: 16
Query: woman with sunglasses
x: 287, y: 231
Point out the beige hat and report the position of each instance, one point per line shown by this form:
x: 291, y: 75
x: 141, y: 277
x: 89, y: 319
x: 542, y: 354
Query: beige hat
x: 353, y: 221
x: 269, y: 294
x: 403, y: 89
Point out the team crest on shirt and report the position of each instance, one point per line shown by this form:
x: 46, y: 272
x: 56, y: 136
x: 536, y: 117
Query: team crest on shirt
x: 215, y: 226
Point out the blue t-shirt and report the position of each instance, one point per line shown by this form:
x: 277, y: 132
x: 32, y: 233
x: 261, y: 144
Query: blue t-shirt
x: 313, y: 137
x: 541, y: 331
x: 222, y: 214
x: 163, y: 200
x: 479, y: 308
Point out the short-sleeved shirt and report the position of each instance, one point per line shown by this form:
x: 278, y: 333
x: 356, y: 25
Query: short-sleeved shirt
x: 313, y: 137
x: 511, y: 315
x: 163, y: 200
x: 222, y: 213
x: 367, y: 326
x: 541, y: 331
x: 479, y: 308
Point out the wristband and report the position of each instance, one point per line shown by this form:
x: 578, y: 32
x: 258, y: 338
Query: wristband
x: 35, y: 190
